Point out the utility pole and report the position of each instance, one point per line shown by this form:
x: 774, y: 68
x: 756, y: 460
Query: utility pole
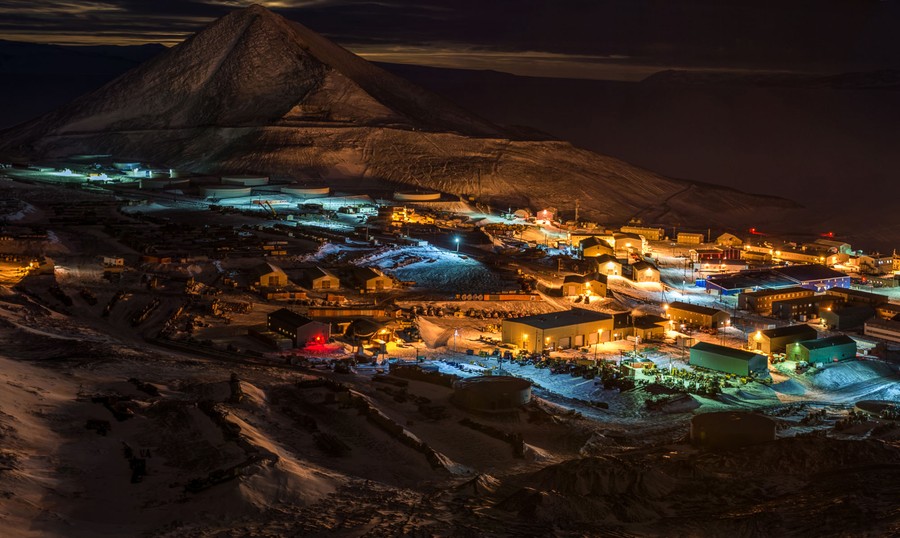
x: 576, y: 212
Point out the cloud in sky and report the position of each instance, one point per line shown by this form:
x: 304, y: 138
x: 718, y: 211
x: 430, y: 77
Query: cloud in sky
x: 560, y: 35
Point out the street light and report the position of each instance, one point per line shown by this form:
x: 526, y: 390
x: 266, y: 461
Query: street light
x: 455, y: 334
x: 456, y: 240
x: 597, y: 349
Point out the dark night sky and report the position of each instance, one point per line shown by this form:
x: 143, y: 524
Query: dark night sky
x: 625, y: 39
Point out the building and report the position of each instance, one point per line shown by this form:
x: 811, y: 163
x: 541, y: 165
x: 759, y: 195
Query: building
x: 317, y: 278
x: 848, y: 295
x: 727, y: 359
x: 592, y: 284
x: 775, y: 340
x: 112, y: 261
x: 609, y: 265
x: 593, y: 247
x: 722, y: 266
x: 815, y: 277
x: 371, y: 279
x: 874, y: 264
x: 697, y: 315
x: 649, y: 233
x: 835, y: 246
x: 570, y: 328
x: 628, y: 243
x: 699, y: 255
x: 644, y: 272
x: 761, y: 301
x: 884, y: 329
x: 846, y: 317
x: 300, y: 329
x: 823, y: 350
x: 690, y: 238
x: 802, y: 308
x: 888, y: 310
x: 266, y: 275
x: 729, y: 240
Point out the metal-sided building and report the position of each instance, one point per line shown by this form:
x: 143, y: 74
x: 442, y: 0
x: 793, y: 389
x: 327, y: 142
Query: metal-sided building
x: 727, y: 359
x: 802, y: 308
x: 775, y: 340
x: 316, y: 278
x: 690, y: 238
x: 644, y: 272
x: 593, y: 284
x: 593, y: 247
x: 823, y: 350
x: 693, y: 314
x: 609, y: 265
x: 566, y: 329
x: 843, y: 318
x: 300, y: 329
x: 761, y: 301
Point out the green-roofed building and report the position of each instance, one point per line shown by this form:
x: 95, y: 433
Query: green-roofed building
x: 823, y: 350
x: 727, y: 359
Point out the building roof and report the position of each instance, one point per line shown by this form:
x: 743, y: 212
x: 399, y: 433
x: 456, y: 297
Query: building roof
x: 628, y: 235
x: 839, y: 340
x: 726, y: 351
x: 264, y: 269
x: 582, y: 279
x: 562, y: 319
x: 289, y: 317
x: 606, y: 258
x: 594, y: 241
x: 649, y: 321
x: 318, y: 272
x: 808, y: 272
x: 750, y: 279
x: 847, y: 292
x: 698, y: 309
x: 789, y: 330
x: 367, y: 273
x: 643, y: 266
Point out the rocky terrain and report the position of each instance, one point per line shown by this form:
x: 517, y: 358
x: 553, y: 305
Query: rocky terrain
x: 254, y: 92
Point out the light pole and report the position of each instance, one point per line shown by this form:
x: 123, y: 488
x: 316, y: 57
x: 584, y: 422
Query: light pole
x: 456, y: 240
x: 597, y: 349
x: 727, y: 322
x: 455, y: 334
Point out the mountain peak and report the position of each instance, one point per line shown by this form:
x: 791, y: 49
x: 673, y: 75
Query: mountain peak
x: 252, y: 67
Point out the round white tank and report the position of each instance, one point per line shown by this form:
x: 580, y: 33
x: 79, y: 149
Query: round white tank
x: 246, y: 181
x: 224, y: 191
x: 417, y: 196
x: 306, y: 191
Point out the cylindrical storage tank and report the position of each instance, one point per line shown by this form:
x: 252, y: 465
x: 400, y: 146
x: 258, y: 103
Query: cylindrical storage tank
x: 164, y: 183
x: 306, y: 191
x: 224, y: 191
x: 158, y: 174
x: 491, y: 393
x: 417, y: 196
x: 246, y: 181
x: 728, y: 429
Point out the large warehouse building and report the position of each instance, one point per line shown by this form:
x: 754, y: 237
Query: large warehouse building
x: 811, y: 276
x: 727, y: 359
x: 823, y: 350
x: 570, y: 328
